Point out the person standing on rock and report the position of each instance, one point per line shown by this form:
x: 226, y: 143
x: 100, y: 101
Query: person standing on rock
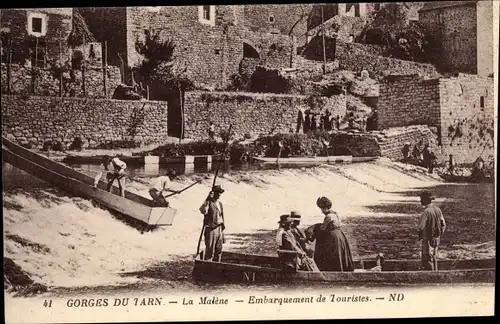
x: 431, y: 227
x: 213, y: 223
x: 115, y: 170
x: 314, y: 124
x: 161, y: 187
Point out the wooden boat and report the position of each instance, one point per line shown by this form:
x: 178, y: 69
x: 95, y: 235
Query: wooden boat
x: 60, y: 175
x: 240, y: 268
x: 316, y: 159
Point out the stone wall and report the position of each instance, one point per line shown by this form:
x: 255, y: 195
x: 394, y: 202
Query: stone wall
x: 392, y: 140
x: 461, y: 109
x: 467, y: 117
x: 250, y: 113
x: 356, y: 57
x: 211, y: 52
x: 408, y: 100
x: 23, y: 81
x: 275, y: 50
x: 34, y: 120
x: 458, y: 34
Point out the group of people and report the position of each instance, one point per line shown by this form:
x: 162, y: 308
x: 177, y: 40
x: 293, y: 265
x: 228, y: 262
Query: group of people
x: 331, y: 252
x: 115, y: 170
x: 424, y: 157
x: 311, y: 121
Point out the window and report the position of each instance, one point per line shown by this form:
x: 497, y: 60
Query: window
x: 37, y: 24
x: 271, y: 18
x: 206, y: 15
x: 481, y: 102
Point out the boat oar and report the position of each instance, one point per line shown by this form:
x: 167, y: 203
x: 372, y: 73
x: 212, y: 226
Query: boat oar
x: 178, y: 192
x: 223, y: 157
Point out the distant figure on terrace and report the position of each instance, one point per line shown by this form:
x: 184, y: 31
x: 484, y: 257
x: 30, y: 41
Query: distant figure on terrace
x: 417, y: 154
x: 115, y: 170
x: 429, y: 158
x: 328, y: 121
x: 211, y: 131
x: 406, y: 152
x: 161, y: 187
x: 314, y: 124
x: 300, y: 120
x: 307, y: 122
x: 337, y: 122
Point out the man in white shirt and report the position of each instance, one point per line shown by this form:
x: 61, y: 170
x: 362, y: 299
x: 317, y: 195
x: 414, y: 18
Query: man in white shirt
x: 115, y: 170
x: 161, y: 187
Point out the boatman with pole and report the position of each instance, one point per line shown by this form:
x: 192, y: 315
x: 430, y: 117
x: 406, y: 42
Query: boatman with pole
x: 115, y: 170
x: 161, y: 187
x: 431, y: 227
x: 213, y: 222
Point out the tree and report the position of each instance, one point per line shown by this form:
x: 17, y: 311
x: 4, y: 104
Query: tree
x: 302, y: 15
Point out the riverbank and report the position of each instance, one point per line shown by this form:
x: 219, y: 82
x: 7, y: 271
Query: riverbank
x: 63, y: 241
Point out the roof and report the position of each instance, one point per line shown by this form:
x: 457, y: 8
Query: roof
x: 433, y: 5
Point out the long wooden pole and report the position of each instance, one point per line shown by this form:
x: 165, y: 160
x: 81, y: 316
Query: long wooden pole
x: 323, y: 37
x: 105, y: 69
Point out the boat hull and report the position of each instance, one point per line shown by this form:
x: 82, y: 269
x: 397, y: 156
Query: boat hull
x: 66, y: 178
x: 315, y: 159
x: 241, y: 268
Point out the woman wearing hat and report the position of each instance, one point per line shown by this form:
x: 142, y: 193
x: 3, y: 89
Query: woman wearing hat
x: 161, y: 187
x: 332, y: 251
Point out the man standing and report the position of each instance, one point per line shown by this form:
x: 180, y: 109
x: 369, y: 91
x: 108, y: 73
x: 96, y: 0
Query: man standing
x: 115, y: 170
x: 211, y: 131
x: 431, y: 227
x: 160, y: 188
x: 213, y: 223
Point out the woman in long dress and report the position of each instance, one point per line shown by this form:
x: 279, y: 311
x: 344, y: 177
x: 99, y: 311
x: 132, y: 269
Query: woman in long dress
x: 332, y: 252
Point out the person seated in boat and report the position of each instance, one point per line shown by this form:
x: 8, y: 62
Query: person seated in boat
x: 292, y: 255
x: 377, y: 268
x: 281, y: 229
x: 161, y: 187
x: 115, y: 170
x: 299, y: 235
x: 291, y: 252
x: 332, y: 251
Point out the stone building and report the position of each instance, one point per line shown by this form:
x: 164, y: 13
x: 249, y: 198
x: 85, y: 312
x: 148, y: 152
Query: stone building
x: 466, y: 32
x: 45, y: 29
x: 211, y: 40
x: 460, y: 108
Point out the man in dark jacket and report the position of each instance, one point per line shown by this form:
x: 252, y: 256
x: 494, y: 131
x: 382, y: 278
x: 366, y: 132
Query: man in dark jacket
x: 213, y: 223
x: 431, y: 227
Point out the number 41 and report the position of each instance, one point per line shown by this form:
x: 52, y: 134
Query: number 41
x: 47, y: 303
